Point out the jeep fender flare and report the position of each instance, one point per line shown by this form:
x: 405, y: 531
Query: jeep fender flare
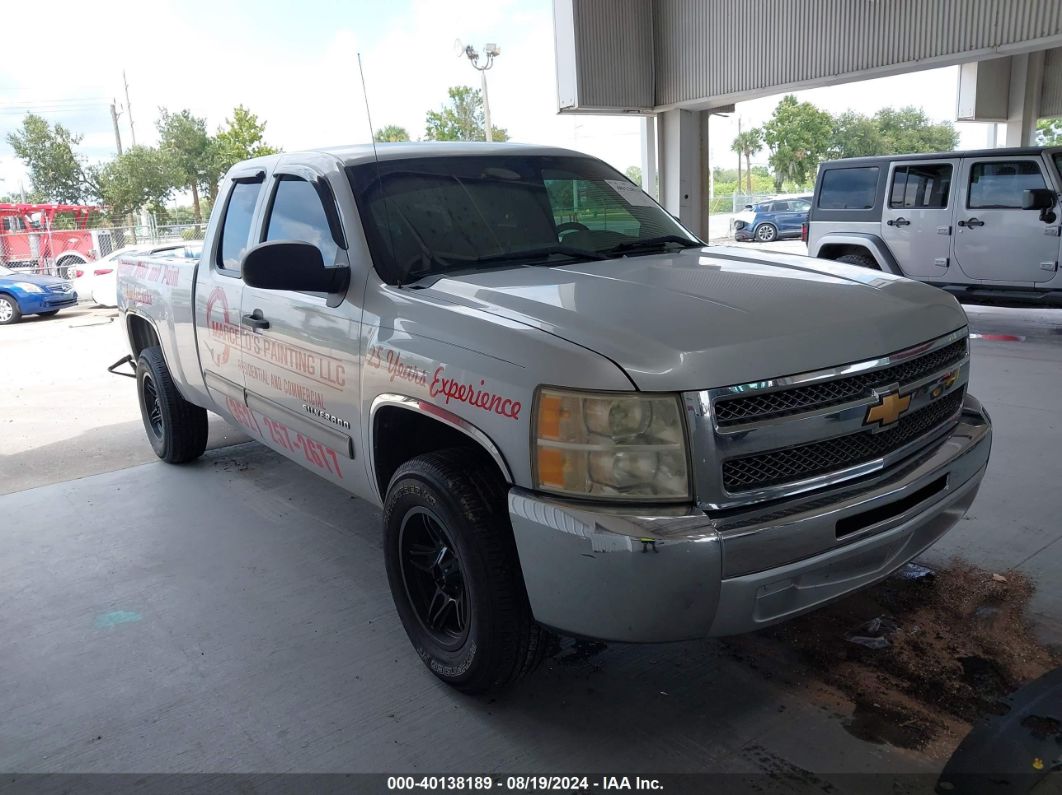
x: 836, y: 244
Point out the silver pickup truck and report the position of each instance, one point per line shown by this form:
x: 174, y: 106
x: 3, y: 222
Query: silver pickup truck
x: 575, y: 416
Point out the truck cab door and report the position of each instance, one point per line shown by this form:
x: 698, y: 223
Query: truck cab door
x: 995, y: 239
x: 300, y: 356
x: 916, y: 221
x: 219, y: 291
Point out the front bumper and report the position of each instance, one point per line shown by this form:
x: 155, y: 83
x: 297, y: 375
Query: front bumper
x: 46, y: 302
x: 677, y: 574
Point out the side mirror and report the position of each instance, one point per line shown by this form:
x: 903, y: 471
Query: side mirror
x: 1038, y: 199
x: 291, y: 265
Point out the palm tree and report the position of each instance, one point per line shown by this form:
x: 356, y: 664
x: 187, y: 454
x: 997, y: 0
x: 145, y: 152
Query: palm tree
x: 392, y: 133
x: 746, y: 144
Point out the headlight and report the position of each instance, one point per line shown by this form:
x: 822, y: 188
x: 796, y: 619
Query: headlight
x: 609, y: 445
x: 30, y: 287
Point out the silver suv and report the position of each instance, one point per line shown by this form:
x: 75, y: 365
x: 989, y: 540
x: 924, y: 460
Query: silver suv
x: 983, y: 225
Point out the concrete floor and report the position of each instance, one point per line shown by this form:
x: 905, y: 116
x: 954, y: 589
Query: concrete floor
x: 233, y: 615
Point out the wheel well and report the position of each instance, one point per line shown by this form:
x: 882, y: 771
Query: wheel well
x: 141, y: 335
x: 837, y: 250
x: 400, y: 434
x: 71, y: 255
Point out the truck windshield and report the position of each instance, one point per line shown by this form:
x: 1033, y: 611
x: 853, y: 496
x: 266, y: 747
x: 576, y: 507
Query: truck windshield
x: 449, y: 215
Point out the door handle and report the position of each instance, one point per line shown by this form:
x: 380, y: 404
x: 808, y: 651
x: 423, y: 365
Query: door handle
x: 901, y: 221
x: 971, y: 222
x: 255, y: 320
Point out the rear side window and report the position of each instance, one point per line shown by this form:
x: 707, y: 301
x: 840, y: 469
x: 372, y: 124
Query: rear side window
x: 1001, y: 184
x: 921, y: 186
x: 848, y: 188
x: 297, y: 214
x: 236, y: 229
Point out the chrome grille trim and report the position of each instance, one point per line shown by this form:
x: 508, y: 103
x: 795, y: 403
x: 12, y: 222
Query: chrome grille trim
x: 784, y: 383
x: 714, y: 446
x: 789, y: 464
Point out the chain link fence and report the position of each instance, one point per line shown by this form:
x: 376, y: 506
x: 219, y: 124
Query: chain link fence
x: 68, y: 253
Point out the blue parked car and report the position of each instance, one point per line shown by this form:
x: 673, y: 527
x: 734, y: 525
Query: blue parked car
x: 772, y: 220
x: 24, y: 293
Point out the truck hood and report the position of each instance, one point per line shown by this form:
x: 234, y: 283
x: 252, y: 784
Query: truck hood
x: 716, y: 316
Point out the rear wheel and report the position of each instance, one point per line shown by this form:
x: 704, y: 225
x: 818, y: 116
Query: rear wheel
x: 862, y: 260
x: 454, y: 573
x: 9, y: 311
x: 66, y: 268
x: 176, y: 428
x: 765, y: 233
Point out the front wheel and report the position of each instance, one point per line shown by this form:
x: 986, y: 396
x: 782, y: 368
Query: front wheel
x: 176, y: 428
x: 9, y: 311
x: 765, y: 233
x: 454, y: 573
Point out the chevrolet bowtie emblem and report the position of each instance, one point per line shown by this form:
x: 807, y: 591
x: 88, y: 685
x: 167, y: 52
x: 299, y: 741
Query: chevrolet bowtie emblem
x: 889, y: 408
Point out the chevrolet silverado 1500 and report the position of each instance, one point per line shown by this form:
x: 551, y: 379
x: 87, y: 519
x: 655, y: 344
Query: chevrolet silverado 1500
x: 575, y: 416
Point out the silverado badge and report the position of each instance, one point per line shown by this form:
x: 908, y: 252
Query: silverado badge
x: 889, y: 408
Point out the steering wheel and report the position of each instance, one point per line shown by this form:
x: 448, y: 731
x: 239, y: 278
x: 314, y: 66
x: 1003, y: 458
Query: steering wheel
x: 571, y: 226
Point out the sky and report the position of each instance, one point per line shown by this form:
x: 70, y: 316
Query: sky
x: 296, y: 67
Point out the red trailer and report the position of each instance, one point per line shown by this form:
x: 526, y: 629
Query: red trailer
x: 47, y: 238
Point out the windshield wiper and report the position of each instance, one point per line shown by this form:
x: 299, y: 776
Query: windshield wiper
x: 540, y: 253
x: 653, y: 243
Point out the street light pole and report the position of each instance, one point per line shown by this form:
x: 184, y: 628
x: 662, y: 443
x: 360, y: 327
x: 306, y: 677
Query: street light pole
x: 492, y: 51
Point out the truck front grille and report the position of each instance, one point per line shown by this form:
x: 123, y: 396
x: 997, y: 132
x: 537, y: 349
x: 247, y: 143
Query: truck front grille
x: 739, y: 410
x: 809, y: 460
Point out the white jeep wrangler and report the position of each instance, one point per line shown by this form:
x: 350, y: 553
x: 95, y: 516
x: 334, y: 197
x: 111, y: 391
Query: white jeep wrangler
x: 983, y: 225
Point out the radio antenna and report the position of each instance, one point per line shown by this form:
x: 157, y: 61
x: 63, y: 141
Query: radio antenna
x: 376, y: 157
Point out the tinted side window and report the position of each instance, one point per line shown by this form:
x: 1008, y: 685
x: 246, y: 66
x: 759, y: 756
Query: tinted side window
x: 297, y: 214
x: 236, y: 229
x: 921, y: 186
x: 1000, y: 185
x: 780, y: 207
x: 848, y: 188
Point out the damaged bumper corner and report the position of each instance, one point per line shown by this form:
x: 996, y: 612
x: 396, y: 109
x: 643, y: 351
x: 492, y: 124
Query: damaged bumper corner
x: 666, y: 574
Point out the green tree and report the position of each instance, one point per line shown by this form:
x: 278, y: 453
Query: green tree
x: 1049, y: 131
x: 141, y: 177
x: 634, y: 174
x: 746, y: 144
x: 855, y: 135
x: 798, y: 136
x: 57, y: 171
x: 908, y: 130
x: 242, y: 138
x: 184, y: 140
x: 391, y: 134
x: 461, y: 119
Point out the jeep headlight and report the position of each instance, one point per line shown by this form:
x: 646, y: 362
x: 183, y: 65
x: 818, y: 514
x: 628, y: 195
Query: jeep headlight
x: 629, y: 446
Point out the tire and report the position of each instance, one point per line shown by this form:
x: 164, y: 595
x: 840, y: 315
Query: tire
x: 9, y: 311
x: 176, y: 428
x: 454, y: 573
x: 862, y: 260
x: 49, y: 313
x: 766, y: 233
x: 66, y: 268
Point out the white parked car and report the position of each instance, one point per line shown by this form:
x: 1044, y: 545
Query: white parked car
x: 102, y: 284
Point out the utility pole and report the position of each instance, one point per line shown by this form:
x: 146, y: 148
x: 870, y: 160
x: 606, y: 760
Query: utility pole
x: 129, y: 109
x: 117, y: 133
x: 739, y: 162
x: 492, y: 51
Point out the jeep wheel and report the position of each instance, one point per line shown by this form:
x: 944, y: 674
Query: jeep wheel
x: 765, y: 233
x: 862, y: 260
x: 454, y: 573
x: 9, y: 311
x: 176, y: 428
